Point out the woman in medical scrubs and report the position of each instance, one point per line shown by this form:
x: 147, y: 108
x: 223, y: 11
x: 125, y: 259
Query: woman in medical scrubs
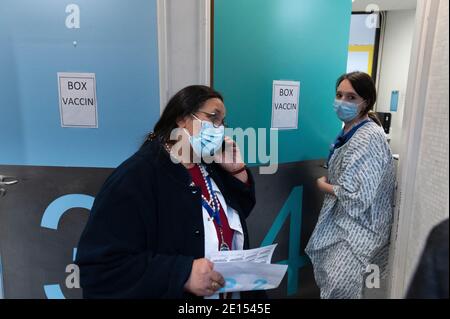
x: 351, y: 237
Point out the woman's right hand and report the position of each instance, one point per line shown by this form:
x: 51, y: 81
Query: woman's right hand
x: 203, y: 280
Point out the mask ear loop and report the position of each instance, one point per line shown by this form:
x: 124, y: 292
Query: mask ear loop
x: 195, y: 116
x: 193, y: 125
x: 189, y: 139
x: 187, y: 132
x: 185, y: 129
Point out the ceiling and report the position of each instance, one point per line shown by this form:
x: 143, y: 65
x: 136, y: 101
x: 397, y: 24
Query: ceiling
x: 385, y: 5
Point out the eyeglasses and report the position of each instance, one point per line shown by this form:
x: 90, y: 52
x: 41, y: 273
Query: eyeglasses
x: 214, y: 118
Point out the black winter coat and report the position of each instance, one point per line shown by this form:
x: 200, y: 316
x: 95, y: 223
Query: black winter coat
x: 146, y: 227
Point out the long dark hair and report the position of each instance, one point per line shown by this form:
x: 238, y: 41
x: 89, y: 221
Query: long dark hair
x: 365, y: 87
x: 187, y: 101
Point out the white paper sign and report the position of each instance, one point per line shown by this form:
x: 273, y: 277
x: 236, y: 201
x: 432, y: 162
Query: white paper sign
x: 77, y: 100
x: 285, y: 104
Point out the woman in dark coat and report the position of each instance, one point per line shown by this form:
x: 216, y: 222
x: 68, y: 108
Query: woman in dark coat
x: 164, y: 209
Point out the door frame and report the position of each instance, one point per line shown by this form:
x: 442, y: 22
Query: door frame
x: 2, y: 294
x: 416, y: 93
x: 203, y: 54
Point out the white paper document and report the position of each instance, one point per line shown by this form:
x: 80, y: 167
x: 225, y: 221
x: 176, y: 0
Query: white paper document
x: 257, y: 255
x: 245, y: 270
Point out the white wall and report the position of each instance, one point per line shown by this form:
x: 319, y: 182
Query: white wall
x: 184, y: 45
x: 430, y: 203
x: 424, y: 161
x: 395, y: 60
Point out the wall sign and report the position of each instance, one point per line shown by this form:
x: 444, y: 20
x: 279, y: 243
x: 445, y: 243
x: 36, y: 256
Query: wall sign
x: 285, y: 104
x: 77, y: 100
x: 394, y: 101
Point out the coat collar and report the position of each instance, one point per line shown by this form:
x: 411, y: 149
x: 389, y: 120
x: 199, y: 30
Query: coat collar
x: 155, y: 152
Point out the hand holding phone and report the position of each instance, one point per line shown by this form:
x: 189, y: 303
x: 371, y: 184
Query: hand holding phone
x: 230, y: 158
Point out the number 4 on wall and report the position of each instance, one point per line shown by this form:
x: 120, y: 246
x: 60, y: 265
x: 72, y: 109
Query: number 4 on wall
x: 295, y: 261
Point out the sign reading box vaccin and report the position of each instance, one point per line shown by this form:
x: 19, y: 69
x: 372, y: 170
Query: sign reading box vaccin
x: 285, y: 104
x: 77, y: 100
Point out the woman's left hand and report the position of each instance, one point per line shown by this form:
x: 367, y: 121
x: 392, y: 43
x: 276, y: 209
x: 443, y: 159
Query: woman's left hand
x: 324, y: 186
x: 322, y: 180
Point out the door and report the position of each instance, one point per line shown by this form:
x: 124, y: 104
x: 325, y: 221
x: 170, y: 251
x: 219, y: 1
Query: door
x: 257, y: 42
x: 59, y: 169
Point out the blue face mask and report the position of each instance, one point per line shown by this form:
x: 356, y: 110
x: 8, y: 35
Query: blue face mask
x: 346, y: 111
x: 209, y: 140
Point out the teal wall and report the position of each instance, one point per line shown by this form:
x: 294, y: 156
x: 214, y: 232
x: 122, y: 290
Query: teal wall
x: 258, y: 41
x: 117, y: 41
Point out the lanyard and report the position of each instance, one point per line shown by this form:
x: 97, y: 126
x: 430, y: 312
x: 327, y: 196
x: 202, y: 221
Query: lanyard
x: 213, y: 213
x: 213, y: 210
x: 342, y: 139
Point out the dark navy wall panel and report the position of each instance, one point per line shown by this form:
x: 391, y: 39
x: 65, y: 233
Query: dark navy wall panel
x: 38, y: 235
x: 117, y: 41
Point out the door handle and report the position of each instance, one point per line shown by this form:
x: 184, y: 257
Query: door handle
x: 7, y: 180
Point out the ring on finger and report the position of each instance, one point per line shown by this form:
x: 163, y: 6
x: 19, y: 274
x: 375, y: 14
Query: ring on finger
x: 215, y: 285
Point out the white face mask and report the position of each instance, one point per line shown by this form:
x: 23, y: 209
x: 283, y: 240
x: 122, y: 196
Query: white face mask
x: 346, y: 111
x: 209, y: 140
